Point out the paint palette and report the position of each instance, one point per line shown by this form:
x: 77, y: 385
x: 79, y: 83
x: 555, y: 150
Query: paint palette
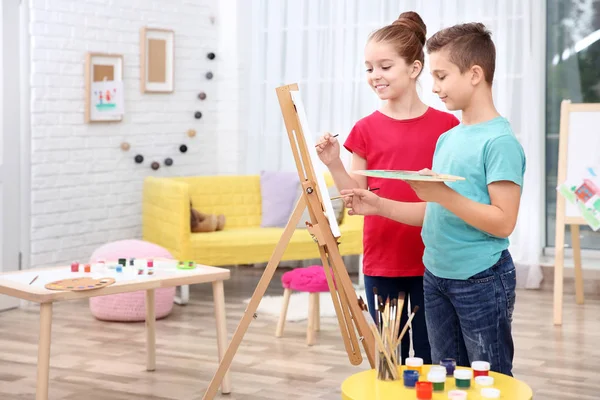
x: 408, y: 175
x: 80, y: 284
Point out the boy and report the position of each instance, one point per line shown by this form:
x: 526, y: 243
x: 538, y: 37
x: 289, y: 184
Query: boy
x: 470, y: 279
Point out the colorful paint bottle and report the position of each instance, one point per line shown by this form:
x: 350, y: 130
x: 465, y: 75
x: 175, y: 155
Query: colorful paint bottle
x: 119, y: 268
x: 484, y: 381
x: 140, y: 271
x: 131, y: 261
x: 123, y: 261
x: 410, y: 378
x: 150, y: 269
x: 462, y: 378
x: 457, y: 395
x: 449, y: 364
x: 424, y: 390
x: 75, y: 267
x: 437, y: 379
x: 490, y: 393
x: 438, y: 369
x: 87, y: 268
x: 415, y: 363
x: 480, y: 368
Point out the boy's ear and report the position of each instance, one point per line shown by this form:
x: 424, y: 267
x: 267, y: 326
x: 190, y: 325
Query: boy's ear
x: 477, y: 75
x: 416, y: 69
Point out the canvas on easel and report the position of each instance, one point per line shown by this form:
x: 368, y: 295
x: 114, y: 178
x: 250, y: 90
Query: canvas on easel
x: 325, y: 232
x: 579, y: 142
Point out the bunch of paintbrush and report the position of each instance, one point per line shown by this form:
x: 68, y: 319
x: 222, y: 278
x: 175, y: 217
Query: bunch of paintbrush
x: 386, y: 330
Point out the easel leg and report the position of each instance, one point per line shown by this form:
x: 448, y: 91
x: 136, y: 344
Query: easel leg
x: 343, y: 279
x: 317, y: 322
x: 150, y: 331
x: 259, y: 292
x: 576, y: 244
x: 559, y: 259
x: 310, y: 326
x: 43, y: 366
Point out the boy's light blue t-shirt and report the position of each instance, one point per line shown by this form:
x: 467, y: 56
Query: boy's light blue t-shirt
x: 481, y: 153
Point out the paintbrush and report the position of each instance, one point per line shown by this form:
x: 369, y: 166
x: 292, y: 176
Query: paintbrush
x: 406, y: 326
x: 33, y: 280
x: 325, y: 142
x: 350, y: 195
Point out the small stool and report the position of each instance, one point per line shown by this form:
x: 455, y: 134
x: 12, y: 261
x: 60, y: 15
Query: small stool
x: 312, y: 280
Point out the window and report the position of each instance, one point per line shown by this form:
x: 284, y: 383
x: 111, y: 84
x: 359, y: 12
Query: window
x: 572, y: 72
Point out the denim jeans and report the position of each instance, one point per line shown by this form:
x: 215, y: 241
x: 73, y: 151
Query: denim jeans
x: 470, y: 320
x: 412, y: 286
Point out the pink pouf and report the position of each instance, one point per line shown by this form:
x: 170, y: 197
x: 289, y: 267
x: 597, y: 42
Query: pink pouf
x: 131, y: 307
x: 310, y: 279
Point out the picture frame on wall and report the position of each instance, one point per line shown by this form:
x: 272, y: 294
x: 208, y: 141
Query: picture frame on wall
x: 104, y: 94
x: 157, y: 50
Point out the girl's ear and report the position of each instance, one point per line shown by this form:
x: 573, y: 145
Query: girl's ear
x: 417, y: 67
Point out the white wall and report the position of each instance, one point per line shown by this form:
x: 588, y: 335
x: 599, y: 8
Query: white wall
x: 85, y: 191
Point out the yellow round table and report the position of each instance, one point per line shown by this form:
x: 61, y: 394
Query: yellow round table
x: 365, y: 386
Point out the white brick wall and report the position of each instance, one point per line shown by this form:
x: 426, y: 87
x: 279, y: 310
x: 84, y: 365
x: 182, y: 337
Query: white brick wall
x: 85, y: 190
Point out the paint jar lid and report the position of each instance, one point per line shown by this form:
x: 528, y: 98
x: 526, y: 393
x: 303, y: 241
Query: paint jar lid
x: 480, y: 365
x: 414, y: 362
x: 438, y: 368
x: 409, y: 373
x: 490, y: 393
x: 436, y: 376
x: 484, y: 380
x: 463, y: 373
x: 457, y: 395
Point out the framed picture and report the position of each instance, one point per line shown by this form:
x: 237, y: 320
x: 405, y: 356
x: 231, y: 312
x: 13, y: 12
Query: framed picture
x: 104, y: 95
x: 156, y: 60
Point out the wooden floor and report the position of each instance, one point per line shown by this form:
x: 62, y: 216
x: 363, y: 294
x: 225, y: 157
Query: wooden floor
x: 96, y: 360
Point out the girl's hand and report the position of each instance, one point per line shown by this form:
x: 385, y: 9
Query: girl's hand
x: 328, y: 149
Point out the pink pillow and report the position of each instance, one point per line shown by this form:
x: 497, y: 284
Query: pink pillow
x: 130, y: 248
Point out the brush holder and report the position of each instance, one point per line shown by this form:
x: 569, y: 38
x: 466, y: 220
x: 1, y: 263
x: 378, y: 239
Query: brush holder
x: 383, y: 367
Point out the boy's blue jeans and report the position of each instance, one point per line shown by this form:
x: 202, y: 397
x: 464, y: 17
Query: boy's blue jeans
x: 470, y: 320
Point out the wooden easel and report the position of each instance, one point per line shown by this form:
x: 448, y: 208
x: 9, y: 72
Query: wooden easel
x: 562, y: 219
x: 348, y: 311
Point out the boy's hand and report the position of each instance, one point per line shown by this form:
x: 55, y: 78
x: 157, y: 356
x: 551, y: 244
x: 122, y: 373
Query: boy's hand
x: 328, y: 149
x: 429, y: 191
x: 361, y: 202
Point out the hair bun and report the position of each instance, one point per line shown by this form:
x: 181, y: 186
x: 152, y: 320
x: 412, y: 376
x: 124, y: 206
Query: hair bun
x: 412, y: 21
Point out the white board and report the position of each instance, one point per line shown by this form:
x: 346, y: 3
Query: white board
x: 583, y: 149
x: 318, y: 166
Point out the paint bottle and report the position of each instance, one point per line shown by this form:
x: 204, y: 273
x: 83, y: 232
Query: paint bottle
x: 449, y: 364
x: 480, y: 368
x: 410, y: 378
x: 75, y: 267
x: 438, y: 369
x: 462, y: 378
x: 437, y: 379
x: 122, y: 261
x: 424, y: 390
x: 457, y: 395
x: 119, y: 268
x: 87, y: 268
x: 415, y: 363
x: 484, y: 381
x: 490, y: 394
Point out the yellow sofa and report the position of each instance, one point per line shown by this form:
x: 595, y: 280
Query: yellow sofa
x: 166, y: 222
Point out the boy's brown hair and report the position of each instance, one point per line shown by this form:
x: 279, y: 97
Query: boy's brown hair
x: 467, y: 44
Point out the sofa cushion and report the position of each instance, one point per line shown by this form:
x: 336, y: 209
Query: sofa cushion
x: 279, y: 193
x: 256, y: 245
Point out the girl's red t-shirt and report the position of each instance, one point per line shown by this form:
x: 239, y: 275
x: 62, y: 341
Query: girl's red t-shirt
x: 392, y: 249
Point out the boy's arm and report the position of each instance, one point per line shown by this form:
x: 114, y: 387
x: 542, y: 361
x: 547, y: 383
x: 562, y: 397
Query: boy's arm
x: 364, y: 202
x: 498, y: 218
x: 406, y: 213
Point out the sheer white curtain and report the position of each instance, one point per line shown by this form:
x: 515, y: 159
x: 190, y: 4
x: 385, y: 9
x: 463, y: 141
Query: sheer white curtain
x: 319, y: 44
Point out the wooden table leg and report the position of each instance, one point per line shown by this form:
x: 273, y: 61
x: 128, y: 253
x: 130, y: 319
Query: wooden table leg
x: 150, y: 331
x: 219, y: 300
x: 43, y: 363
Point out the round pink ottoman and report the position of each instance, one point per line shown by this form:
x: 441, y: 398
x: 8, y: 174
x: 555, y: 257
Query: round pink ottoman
x: 310, y: 279
x: 131, y: 307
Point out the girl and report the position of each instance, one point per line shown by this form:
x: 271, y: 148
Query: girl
x: 400, y: 136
